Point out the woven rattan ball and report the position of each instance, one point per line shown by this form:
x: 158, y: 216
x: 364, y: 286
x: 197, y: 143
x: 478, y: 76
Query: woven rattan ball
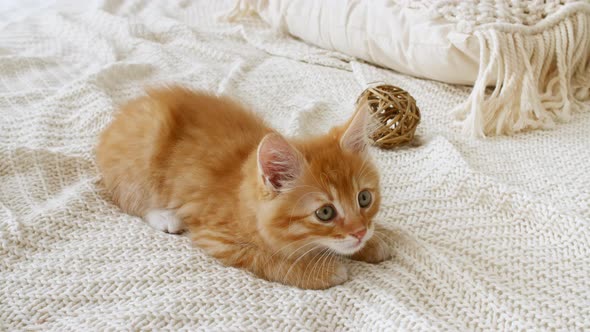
x: 396, y: 113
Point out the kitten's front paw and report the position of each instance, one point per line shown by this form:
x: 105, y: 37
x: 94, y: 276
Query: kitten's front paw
x: 373, y: 252
x: 339, y: 276
x: 164, y: 220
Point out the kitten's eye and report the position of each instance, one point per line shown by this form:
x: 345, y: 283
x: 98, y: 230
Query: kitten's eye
x: 365, y: 198
x: 325, y: 213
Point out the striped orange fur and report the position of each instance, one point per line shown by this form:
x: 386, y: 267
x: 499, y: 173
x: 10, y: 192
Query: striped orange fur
x: 248, y: 196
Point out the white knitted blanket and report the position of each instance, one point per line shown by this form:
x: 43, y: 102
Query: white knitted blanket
x: 486, y: 235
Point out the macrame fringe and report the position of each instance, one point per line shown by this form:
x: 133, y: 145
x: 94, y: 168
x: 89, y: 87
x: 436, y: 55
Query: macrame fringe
x: 541, y: 76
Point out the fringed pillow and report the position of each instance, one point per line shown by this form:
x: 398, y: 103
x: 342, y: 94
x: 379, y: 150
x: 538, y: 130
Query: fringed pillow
x: 528, y: 60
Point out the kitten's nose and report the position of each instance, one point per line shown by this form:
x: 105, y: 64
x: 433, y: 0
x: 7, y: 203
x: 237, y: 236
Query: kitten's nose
x: 359, y: 234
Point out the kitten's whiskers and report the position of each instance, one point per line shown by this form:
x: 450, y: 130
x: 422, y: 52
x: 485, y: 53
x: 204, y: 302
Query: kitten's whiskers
x: 295, y: 262
x: 286, y: 246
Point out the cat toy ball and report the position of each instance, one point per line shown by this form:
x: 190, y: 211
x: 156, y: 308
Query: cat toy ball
x: 396, y: 113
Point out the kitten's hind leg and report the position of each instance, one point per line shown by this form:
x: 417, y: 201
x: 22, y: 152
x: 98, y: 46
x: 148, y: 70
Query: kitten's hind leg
x: 164, y: 220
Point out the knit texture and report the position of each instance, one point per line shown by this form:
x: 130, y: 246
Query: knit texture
x: 485, y: 234
x: 478, y: 12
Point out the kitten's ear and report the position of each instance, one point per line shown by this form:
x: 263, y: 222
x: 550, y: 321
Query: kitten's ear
x: 354, y: 139
x: 279, y: 163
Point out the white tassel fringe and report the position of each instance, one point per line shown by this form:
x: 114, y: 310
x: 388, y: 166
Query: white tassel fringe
x: 542, y: 76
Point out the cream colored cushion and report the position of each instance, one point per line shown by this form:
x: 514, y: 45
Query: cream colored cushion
x: 408, y: 40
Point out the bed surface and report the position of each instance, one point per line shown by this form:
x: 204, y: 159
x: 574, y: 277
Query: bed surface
x: 487, y: 234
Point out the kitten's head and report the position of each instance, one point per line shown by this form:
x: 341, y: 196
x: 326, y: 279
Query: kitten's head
x: 321, y: 192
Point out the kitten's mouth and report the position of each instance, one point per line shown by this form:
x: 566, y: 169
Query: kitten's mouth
x: 357, y: 244
x: 349, y: 249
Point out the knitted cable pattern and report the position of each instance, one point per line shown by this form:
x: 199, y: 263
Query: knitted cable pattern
x: 480, y: 12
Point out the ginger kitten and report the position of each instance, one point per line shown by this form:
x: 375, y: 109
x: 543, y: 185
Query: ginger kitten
x: 283, y: 209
